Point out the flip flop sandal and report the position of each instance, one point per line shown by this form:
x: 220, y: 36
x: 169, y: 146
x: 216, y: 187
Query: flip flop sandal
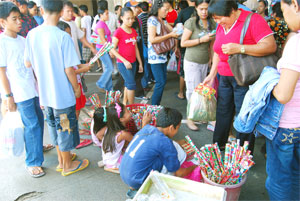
x: 112, y: 170
x: 79, y: 167
x: 48, y: 147
x: 176, y: 95
x: 84, y: 143
x: 30, y: 172
x: 58, y: 169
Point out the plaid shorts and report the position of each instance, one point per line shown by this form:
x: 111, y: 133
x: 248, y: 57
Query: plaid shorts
x: 86, y: 54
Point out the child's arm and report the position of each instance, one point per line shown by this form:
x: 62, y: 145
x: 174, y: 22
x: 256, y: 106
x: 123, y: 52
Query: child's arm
x: 11, y: 105
x: 182, y: 172
x: 138, y: 56
x: 116, y: 53
x: 146, y: 119
x: 125, y: 136
x: 70, y: 72
x: 83, y: 68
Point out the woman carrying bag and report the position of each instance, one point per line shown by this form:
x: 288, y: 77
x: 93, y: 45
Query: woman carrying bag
x: 157, y: 41
x: 258, y: 41
x: 198, y: 39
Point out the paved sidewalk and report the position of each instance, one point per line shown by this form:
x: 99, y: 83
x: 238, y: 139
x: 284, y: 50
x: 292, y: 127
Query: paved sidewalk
x: 96, y: 184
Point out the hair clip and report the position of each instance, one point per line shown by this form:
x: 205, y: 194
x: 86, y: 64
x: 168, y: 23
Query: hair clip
x: 119, y: 109
x: 104, y: 114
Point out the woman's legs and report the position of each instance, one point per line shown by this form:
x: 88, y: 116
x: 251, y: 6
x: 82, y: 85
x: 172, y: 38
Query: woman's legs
x: 160, y: 75
x: 105, y: 81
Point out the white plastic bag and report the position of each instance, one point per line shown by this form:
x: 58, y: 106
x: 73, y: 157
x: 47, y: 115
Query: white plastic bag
x: 172, y: 65
x: 12, y: 135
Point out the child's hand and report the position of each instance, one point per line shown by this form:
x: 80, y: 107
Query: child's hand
x: 147, y: 118
x: 111, y: 55
x: 141, y: 69
x: 11, y: 105
x: 128, y: 65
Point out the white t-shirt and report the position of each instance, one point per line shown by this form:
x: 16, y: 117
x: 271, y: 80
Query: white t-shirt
x: 21, y: 79
x: 112, y: 23
x: 50, y: 51
x: 76, y: 35
x: 86, y: 23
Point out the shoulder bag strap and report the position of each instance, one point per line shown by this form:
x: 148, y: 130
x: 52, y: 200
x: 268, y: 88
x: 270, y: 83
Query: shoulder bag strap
x: 245, y: 28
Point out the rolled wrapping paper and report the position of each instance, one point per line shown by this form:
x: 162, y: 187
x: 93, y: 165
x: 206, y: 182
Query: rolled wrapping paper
x: 227, y: 155
x: 95, y: 100
x: 219, y: 157
x: 104, y: 49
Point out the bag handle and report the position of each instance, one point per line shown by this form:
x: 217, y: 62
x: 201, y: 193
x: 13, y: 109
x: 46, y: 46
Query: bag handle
x: 245, y: 28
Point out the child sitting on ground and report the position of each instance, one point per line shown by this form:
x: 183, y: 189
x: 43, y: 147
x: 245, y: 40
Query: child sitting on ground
x: 81, y: 68
x: 115, y: 137
x: 151, y: 149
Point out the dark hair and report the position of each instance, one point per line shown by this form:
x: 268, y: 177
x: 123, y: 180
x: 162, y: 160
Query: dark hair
x: 167, y: 117
x: 197, y: 3
x: 52, y: 6
x: 170, y: 2
x: 76, y: 10
x: 114, y: 125
x: 98, y: 120
x: 31, y: 4
x: 102, y: 7
x: 84, y: 8
x: 69, y: 4
x: 158, y: 4
x: 276, y: 9
x: 290, y: 2
x: 123, y: 11
x: 22, y: 2
x: 183, y: 4
x: 63, y: 25
x: 222, y: 7
x: 266, y: 5
x: 6, y: 8
x: 117, y: 7
x: 144, y: 6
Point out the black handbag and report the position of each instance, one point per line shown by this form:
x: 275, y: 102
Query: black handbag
x: 245, y: 68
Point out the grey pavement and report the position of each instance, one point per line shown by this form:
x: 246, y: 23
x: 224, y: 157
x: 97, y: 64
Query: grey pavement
x: 96, y: 184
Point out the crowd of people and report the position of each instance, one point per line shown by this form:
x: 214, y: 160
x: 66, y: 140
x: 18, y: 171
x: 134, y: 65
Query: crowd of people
x: 44, y: 51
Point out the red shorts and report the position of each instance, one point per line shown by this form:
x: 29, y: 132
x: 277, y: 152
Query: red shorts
x: 80, y: 102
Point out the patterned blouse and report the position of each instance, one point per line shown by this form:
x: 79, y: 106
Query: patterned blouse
x: 280, y: 29
x: 28, y: 23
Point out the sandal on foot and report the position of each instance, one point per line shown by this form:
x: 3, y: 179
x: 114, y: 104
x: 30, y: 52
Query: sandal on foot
x: 84, y: 143
x: 190, y: 124
x: 31, y: 171
x: 112, y: 170
x: 48, y: 147
x: 79, y: 167
x: 58, y: 169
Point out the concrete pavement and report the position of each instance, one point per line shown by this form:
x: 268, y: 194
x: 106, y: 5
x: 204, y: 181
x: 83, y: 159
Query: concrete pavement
x: 96, y: 184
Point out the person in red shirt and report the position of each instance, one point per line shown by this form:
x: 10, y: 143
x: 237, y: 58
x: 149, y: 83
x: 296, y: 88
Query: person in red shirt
x: 259, y: 41
x: 172, y: 14
x: 125, y: 38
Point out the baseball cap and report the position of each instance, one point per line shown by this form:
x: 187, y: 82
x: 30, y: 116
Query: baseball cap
x: 131, y: 3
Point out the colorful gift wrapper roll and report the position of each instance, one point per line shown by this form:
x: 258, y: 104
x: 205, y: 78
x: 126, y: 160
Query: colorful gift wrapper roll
x: 95, y: 100
x: 219, y: 157
x: 227, y: 156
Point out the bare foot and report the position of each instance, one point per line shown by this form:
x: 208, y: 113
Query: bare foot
x: 192, y: 125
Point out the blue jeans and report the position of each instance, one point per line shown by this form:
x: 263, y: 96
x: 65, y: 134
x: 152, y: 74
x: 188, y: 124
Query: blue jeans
x: 160, y: 75
x: 128, y: 75
x: 105, y: 81
x: 283, y: 156
x: 230, y: 100
x: 147, y: 68
x: 33, y: 120
x: 63, y: 127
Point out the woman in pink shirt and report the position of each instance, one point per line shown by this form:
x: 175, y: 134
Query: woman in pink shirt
x: 283, y: 152
x: 125, y: 39
x: 259, y: 41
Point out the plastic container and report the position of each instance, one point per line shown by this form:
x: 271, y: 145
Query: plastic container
x: 233, y: 191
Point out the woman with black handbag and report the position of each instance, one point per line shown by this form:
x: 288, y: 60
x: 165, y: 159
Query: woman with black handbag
x: 258, y: 41
x: 160, y: 42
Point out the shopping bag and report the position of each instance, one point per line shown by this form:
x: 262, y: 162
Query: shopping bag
x: 12, y: 135
x: 202, y: 104
x: 172, y: 65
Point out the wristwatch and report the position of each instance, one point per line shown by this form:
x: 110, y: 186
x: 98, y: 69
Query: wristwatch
x: 243, y: 49
x: 9, y: 95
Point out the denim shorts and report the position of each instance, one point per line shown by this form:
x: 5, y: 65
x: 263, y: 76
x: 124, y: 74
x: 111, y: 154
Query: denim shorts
x: 128, y: 75
x: 63, y: 127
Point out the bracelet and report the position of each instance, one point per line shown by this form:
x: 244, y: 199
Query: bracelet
x: 9, y: 95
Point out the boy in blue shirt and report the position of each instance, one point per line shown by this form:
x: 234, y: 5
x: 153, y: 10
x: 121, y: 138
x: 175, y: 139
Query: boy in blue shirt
x: 151, y: 149
x: 52, y: 55
x: 18, y: 87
